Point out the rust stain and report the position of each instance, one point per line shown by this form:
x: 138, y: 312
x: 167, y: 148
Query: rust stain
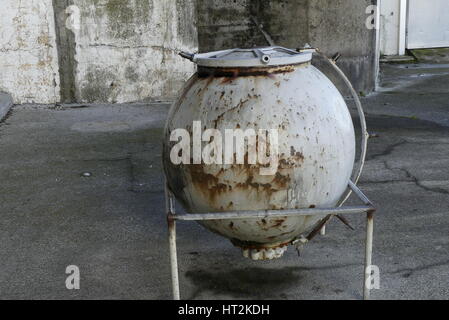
x: 236, y: 107
x: 255, y: 245
x: 213, y: 187
x: 279, y: 235
x: 199, y: 177
x: 295, y: 159
x: 260, y: 187
x: 232, y: 73
x: 281, y: 180
x: 208, y: 183
x: 274, y: 224
x: 219, y: 188
x: 278, y: 222
x: 209, y: 80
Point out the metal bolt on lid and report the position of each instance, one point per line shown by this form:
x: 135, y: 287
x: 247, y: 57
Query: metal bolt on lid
x: 255, y: 57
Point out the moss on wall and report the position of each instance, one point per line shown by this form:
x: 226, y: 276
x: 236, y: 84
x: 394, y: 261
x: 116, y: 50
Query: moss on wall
x: 124, y: 17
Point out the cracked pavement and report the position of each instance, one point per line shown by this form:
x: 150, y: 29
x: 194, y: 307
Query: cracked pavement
x: 111, y: 222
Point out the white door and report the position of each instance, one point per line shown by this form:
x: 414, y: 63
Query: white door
x: 428, y: 24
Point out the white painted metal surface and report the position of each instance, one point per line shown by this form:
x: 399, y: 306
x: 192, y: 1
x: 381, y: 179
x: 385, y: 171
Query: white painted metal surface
x: 428, y: 24
x: 316, y: 148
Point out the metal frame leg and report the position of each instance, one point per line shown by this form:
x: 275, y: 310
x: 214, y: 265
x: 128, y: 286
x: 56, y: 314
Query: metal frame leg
x: 169, y: 202
x: 368, y: 254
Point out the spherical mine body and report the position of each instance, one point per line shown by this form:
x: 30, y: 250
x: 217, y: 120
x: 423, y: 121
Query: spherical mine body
x: 311, y: 166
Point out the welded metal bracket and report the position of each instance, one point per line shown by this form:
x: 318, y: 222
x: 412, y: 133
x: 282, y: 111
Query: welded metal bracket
x: 367, y: 208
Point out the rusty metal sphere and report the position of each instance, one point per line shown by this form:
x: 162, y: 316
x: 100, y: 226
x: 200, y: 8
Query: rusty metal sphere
x: 316, y: 145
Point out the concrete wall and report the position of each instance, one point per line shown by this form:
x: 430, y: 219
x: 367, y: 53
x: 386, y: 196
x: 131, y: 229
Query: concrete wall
x: 389, y: 24
x: 127, y: 50
x: 331, y: 25
x: 112, y: 50
x: 120, y: 51
x: 28, y: 54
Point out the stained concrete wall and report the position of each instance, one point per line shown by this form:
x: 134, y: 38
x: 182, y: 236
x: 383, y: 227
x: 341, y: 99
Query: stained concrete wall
x: 127, y: 50
x: 121, y: 51
x: 95, y: 50
x: 331, y: 25
x: 28, y: 54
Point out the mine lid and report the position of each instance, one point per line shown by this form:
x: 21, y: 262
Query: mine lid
x: 254, y: 57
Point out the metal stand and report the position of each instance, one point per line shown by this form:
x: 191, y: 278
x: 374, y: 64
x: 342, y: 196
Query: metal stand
x: 367, y: 208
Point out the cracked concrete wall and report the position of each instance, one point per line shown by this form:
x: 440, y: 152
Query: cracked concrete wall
x: 28, y: 55
x: 331, y: 25
x: 127, y: 50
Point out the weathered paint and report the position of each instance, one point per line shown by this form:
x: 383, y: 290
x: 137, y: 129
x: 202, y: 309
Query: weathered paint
x: 316, y: 148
